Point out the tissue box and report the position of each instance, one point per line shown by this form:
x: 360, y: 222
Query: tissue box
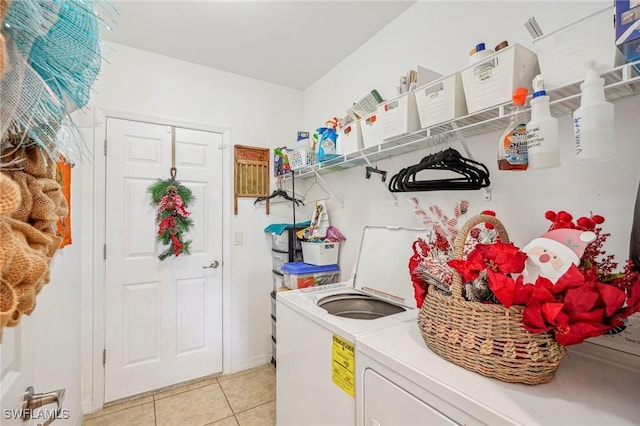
x: 628, y: 29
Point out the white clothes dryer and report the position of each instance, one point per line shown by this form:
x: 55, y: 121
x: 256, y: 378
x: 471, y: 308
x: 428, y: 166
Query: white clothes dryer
x: 318, y: 328
x: 401, y: 382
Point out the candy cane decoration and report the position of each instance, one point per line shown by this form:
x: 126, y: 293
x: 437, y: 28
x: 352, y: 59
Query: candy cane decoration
x: 442, y: 225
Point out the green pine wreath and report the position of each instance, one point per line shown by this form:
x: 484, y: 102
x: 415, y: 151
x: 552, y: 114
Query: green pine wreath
x: 171, y: 199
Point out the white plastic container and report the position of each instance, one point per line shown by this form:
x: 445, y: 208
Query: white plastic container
x: 320, y: 254
x: 371, y: 130
x: 350, y: 138
x: 398, y: 116
x: 300, y: 159
x: 543, y: 140
x: 278, y: 280
x: 279, y: 259
x: 302, y: 275
x: 493, y: 80
x: 593, y: 121
x: 441, y: 100
x: 563, y: 53
x: 280, y: 242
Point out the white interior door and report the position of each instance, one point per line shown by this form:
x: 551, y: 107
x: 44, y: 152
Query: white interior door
x: 163, y: 318
x: 17, y: 369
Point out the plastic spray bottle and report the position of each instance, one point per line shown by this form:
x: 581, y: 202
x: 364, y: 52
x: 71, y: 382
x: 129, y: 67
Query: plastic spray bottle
x: 543, y: 144
x: 512, y: 146
x: 593, y: 121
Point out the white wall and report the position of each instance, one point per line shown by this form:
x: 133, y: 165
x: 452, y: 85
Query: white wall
x: 438, y: 35
x: 57, y: 318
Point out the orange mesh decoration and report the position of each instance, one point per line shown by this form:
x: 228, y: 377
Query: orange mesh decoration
x: 63, y: 176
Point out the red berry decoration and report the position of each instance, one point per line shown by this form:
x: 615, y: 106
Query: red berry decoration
x: 597, y: 219
x: 489, y: 213
x: 550, y: 214
x: 563, y: 216
x: 586, y: 223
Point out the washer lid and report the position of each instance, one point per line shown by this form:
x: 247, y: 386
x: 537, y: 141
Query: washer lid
x: 382, y: 267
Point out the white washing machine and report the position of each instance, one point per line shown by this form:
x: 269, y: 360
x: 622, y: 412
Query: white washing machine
x: 401, y: 382
x: 318, y: 327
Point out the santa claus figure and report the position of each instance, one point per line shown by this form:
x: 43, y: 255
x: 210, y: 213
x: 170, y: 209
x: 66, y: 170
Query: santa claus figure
x: 551, y: 255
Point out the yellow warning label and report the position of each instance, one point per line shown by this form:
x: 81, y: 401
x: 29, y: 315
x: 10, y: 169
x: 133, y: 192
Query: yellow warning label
x: 343, y: 364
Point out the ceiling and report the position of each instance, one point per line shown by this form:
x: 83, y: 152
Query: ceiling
x: 289, y: 43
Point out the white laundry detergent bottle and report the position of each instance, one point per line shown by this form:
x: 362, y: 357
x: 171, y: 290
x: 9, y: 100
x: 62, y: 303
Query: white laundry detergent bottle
x: 593, y: 122
x: 543, y: 144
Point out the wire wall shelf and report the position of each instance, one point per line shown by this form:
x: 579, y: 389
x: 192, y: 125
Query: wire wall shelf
x: 620, y: 83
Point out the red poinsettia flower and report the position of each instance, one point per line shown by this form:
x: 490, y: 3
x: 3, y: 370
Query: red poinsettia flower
x: 503, y: 287
x: 578, y: 332
x: 576, y: 308
x: 522, y: 291
x: 497, y: 257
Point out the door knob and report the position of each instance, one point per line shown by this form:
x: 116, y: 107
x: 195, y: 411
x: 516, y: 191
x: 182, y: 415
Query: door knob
x: 213, y: 265
x: 33, y: 400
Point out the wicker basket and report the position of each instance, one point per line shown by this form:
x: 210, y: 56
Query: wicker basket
x: 486, y: 338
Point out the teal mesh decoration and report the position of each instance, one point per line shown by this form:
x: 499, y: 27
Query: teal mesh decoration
x: 54, y: 59
x: 68, y: 57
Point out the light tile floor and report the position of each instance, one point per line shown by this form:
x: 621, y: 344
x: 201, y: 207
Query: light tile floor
x: 246, y: 398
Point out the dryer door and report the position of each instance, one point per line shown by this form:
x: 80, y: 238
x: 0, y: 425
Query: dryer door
x: 387, y: 404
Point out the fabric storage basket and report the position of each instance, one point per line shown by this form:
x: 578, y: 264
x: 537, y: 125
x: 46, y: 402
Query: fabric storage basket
x: 486, y: 338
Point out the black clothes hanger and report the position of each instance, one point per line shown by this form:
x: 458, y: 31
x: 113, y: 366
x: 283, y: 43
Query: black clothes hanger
x: 472, y: 174
x: 279, y: 193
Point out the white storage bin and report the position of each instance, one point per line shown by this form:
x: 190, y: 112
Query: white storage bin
x: 398, y: 116
x: 350, y: 138
x: 278, y: 280
x: 301, y: 158
x: 370, y: 128
x: 563, y: 54
x: 320, y: 254
x: 280, y: 242
x: 491, y: 81
x: 302, y: 275
x: 441, y: 100
x: 279, y: 259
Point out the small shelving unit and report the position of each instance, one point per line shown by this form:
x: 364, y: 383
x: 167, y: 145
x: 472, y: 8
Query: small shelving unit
x: 620, y: 83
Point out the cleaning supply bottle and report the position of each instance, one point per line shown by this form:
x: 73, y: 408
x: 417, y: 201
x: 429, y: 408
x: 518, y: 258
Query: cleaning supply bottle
x: 478, y: 53
x: 512, y: 147
x: 543, y: 143
x: 593, y: 121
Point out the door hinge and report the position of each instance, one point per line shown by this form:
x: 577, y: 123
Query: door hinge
x: 105, y: 147
x: 104, y: 357
x: 221, y: 146
x: 104, y: 251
